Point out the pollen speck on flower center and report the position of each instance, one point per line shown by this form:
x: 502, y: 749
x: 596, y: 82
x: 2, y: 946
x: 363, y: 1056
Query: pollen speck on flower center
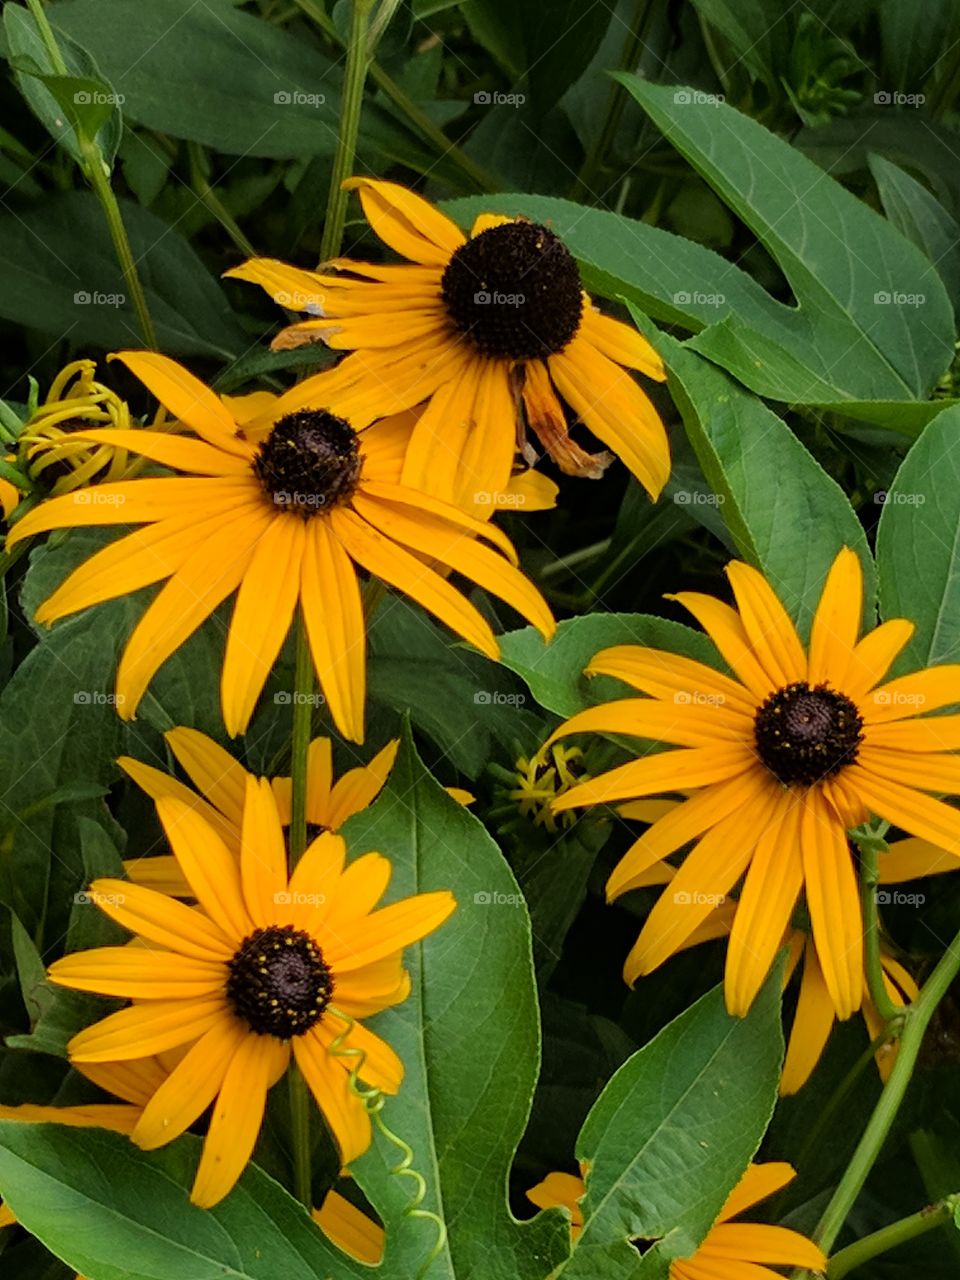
x: 514, y: 291
x: 279, y: 983
x: 806, y: 735
x: 309, y: 462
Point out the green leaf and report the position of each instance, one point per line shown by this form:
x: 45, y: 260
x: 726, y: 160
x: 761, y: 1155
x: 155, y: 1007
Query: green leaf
x: 756, y: 31
x: 923, y: 219
x: 60, y: 276
x: 229, y: 80
x: 918, y: 545
x: 469, y: 1037
x: 554, y: 671
x: 75, y: 109
x: 863, y: 292
x: 671, y: 1135
x: 117, y: 1213
x: 792, y: 528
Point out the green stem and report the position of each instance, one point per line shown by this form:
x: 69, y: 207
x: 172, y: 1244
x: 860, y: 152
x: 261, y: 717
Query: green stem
x: 212, y: 201
x: 916, y: 1021
x: 869, y: 847
x: 616, y: 101
x: 46, y: 34
x: 480, y: 177
x: 300, y: 1127
x: 96, y: 173
x: 354, y: 79
x: 303, y: 687
x: 897, y: 1233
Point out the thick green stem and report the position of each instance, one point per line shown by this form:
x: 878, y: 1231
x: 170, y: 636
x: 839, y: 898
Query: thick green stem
x: 303, y: 699
x: 890, y: 1012
x: 300, y: 1128
x: 897, y: 1233
x: 916, y: 1021
x: 354, y: 79
x: 479, y: 177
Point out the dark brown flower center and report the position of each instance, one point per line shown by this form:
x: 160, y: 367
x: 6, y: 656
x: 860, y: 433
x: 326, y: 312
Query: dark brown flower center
x: 309, y: 462
x: 279, y: 983
x: 806, y: 735
x: 514, y: 291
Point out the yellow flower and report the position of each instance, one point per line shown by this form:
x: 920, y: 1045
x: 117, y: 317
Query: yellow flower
x: 782, y: 759
x: 731, y: 1249
x: 266, y: 965
x: 221, y: 781
x: 540, y: 779
x: 282, y: 516
x: 493, y: 330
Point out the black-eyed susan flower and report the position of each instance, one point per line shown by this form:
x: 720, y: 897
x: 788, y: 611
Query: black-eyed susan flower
x: 782, y: 759
x: 494, y: 330
x: 264, y: 966
x: 282, y: 516
x: 731, y: 1250
x: 221, y: 782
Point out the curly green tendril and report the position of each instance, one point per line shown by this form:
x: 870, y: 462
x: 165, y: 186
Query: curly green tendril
x: 374, y: 1100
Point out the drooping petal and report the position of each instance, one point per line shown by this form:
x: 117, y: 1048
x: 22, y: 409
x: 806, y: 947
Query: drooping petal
x: 812, y: 1025
x: 268, y: 594
x: 406, y: 222
x: 346, y: 1116
x: 767, y: 898
x: 191, y: 1086
x: 834, y: 903
x: 358, y: 788
x: 336, y: 629
x: 237, y: 1117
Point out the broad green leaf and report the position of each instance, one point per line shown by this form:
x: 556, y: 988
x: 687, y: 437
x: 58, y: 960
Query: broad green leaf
x: 228, y: 79
x: 792, y: 527
x: 468, y: 1034
x: 873, y: 319
x: 117, y: 1213
x: 68, y: 106
x: 671, y: 1135
x: 918, y: 545
x: 923, y: 219
x: 60, y: 276
x: 554, y: 671
x: 913, y: 38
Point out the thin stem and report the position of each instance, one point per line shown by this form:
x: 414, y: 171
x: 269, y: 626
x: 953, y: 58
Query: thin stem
x: 916, y: 1021
x: 303, y: 700
x: 354, y: 79
x: 96, y: 175
x: 897, y: 1233
x: 869, y: 846
x: 616, y: 101
x: 96, y: 172
x: 213, y: 202
x: 300, y: 1128
x: 480, y: 177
